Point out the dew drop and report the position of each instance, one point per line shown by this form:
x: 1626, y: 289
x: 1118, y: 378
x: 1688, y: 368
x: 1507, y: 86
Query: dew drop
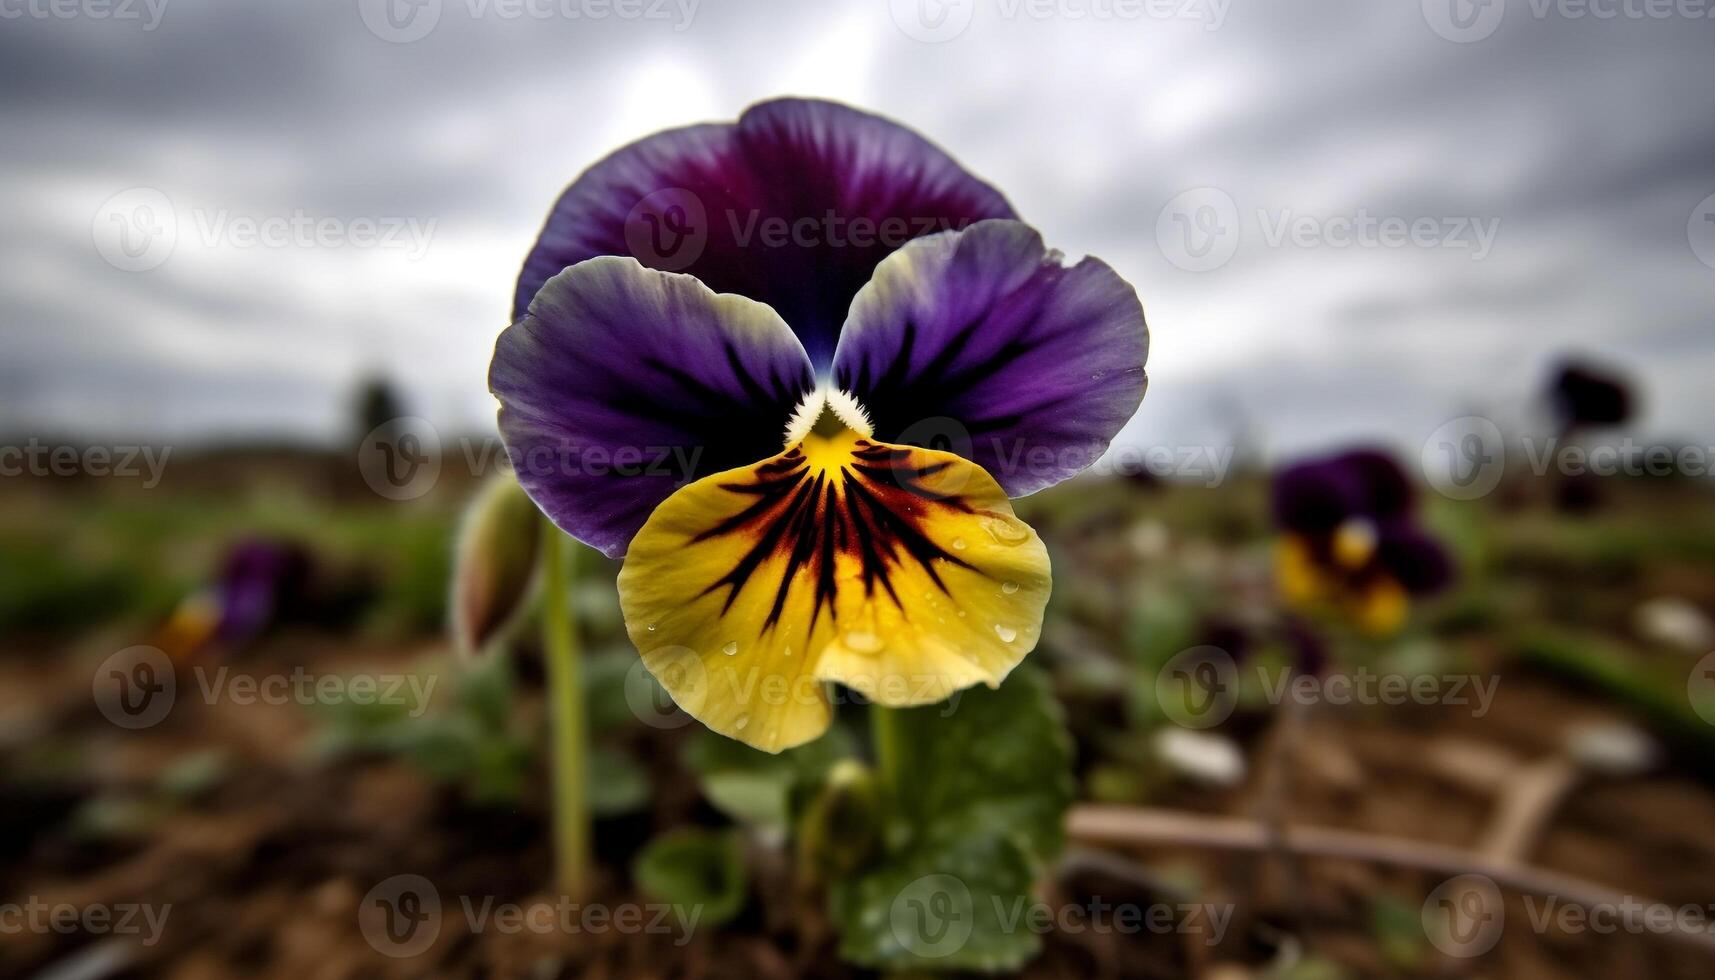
x: 730, y: 649
x: 653, y: 627
x: 1009, y: 587
x: 1006, y: 531
x: 958, y: 544
x: 1006, y: 633
x: 788, y: 651
x: 743, y: 720
x: 859, y: 641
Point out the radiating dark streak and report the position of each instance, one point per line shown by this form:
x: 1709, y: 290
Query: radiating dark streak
x: 804, y: 518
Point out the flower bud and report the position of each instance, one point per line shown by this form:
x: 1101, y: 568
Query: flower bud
x: 494, y: 564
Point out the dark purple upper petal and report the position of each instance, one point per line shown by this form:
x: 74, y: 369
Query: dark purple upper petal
x: 622, y: 384
x: 1316, y: 496
x: 1414, y: 559
x: 981, y: 343
x: 792, y: 206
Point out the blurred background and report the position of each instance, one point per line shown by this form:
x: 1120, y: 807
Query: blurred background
x: 250, y: 249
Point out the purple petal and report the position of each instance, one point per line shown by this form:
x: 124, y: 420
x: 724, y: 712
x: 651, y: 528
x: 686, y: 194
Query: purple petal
x: 792, y: 206
x: 1316, y: 496
x: 982, y: 343
x: 1415, y: 560
x: 622, y: 384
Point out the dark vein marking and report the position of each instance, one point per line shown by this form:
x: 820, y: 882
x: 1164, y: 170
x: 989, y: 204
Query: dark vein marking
x: 872, y: 510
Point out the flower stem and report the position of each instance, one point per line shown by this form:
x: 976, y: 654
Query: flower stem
x: 570, y: 729
x: 884, y: 739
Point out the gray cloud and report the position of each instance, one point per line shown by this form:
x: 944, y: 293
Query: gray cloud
x: 1585, y: 140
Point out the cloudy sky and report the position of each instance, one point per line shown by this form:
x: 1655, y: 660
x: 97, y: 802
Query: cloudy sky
x: 1248, y: 164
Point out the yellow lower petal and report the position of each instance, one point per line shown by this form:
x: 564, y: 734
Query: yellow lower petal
x: 900, y: 572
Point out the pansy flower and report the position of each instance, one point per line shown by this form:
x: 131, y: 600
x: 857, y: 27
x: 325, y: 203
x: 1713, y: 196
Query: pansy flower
x: 1350, y: 545
x: 729, y: 338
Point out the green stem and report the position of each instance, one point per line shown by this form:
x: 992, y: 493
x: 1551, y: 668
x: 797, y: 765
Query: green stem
x: 566, y: 710
x: 884, y: 738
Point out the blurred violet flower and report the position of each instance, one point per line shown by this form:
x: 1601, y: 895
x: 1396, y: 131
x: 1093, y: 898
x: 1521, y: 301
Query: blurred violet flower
x: 1349, y: 544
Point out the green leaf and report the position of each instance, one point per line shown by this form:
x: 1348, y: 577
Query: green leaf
x: 694, y: 869
x: 958, y: 906
x: 617, y: 784
x: 755, y: 787
x: 981, y: 792
x: 989, y: 760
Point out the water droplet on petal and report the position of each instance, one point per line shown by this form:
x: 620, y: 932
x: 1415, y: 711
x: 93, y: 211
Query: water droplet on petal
x: 1006, y: 633
x: 1007, y: 530
x: 859, y: 641
x: 743, y: 720
x: 1009, y: 587
x: 653, y: 627
x: 730, y: 649
x: 958, y: 544
x: 788, y: 651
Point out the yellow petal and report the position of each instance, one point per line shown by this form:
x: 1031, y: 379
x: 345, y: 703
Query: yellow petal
x: 900, y: 572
